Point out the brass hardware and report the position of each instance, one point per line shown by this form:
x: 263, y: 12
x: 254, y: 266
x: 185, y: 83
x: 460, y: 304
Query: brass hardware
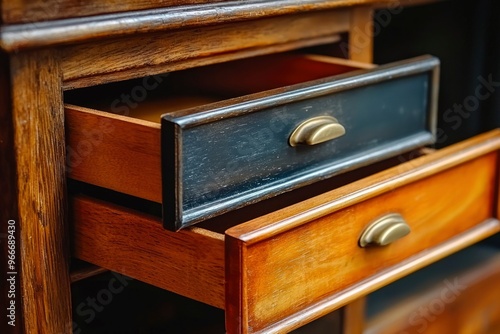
x: 384, y: 231
x: 316, y: 130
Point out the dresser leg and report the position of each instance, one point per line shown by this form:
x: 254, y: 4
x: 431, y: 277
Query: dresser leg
x: 353, y: 317
x: 38, y: 122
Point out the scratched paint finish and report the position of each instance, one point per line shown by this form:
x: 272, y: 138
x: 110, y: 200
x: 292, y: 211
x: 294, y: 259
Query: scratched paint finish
x: 250, y: 153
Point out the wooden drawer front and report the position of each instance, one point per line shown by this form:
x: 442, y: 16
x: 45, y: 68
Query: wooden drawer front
x: 219, y: 159
x: 220, y: 156
x: 296, y: 264
x: 287, y: 270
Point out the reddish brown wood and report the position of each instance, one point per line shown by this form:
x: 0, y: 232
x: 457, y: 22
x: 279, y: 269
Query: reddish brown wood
x: 311, y: 251
x: 38, y: 29
x: 294, y: 265
x: 8, y: 202
x: 407, y: 172
x: 38, y: 117
x: 190, y: 263
x: 19, y: 11
x: 114, y: 152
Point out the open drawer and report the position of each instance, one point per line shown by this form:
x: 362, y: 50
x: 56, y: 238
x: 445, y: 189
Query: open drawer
x: 284, y: 269
x: 237, y: 133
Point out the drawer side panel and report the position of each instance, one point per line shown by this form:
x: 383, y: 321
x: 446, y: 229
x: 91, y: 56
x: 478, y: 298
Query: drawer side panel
x: 188, y: 263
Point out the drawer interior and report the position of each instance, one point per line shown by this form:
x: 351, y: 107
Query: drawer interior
x: 251, y: 108
x: 149, y: 98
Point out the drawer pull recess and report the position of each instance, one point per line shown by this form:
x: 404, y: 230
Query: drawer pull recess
x: 316, y: 130
x: 384, y: 231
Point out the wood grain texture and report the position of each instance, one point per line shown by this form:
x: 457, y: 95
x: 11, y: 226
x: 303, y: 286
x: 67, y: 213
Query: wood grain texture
x: 309, y: 261
x: 146, y: 70
x: 333, y: 302
x: 441, y: 213
x: 463, y: 302
x: 8, y: 198
x: 115, y: 152
x: 361, y: 34
x: 47, y: 32
x: 165, y: 52
x: 190, y: 263
x: 19, y: 11
x: 39, y: 141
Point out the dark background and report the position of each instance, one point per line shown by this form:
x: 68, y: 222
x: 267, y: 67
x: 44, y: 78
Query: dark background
x: 465, y: 35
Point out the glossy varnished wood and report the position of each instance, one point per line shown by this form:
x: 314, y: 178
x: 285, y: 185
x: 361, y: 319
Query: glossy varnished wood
x: 311, y: 251
x: 189, y: 263
x: 18, y: 11
x: 38, y: 117
x: 296, y: 264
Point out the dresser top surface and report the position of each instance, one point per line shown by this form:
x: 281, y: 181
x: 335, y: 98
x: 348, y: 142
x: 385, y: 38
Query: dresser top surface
x: 20, y: 11
x: 46, y: 23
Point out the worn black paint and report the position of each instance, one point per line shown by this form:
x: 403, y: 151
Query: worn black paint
x: 215, y: 164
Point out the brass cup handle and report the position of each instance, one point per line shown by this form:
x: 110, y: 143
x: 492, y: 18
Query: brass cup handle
x: 316, y: 130
x: 384, y: 231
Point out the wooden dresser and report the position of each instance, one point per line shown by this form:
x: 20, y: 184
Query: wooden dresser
x: 289, y: 179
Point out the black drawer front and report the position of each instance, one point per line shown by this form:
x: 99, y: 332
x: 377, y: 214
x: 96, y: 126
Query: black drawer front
x: 228, y: 157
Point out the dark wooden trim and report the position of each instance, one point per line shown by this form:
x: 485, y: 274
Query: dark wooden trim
x: 38, y: 118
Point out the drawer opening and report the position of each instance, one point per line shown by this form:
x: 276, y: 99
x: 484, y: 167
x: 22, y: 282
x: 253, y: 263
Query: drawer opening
x: 223, y: 222
x: 150, y: 97
x: 225, y: 138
